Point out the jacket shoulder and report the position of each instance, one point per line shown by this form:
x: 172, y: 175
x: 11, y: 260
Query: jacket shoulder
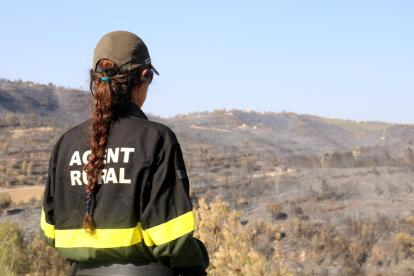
x: 75, y: 133
x: 165, y: 132
x: 166, y: 135
x: 78, y: 130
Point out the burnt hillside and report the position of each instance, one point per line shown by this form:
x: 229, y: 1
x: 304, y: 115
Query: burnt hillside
x: 70, y: 105
x: 283, y: 133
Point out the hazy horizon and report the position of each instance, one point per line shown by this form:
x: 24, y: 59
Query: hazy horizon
x: 211, y: 110
x: 348, y: 60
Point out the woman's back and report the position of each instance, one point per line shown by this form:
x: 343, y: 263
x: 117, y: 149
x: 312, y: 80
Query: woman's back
x: 132, y: 170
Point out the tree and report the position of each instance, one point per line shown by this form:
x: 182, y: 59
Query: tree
x: 7, y: 174
x: 35, y: 258
x: 207, y: 158
x: 10, y: 119
x: 44, y: 258
x: 6, y: 148
x: 23, y: 167
x: 29, y: 169
x: 247, y: 163
x: 21, y: 178
x: 409, y: 157
x: 23, y: 120
x: 219, y: 159
x: 227, y: 174
x: 32, y: 119
x: 407, y: 242
x: 242, y: 202
x: 274, y: 209
x: 271, y: 158
x: 51, y: 85
x: 12, y: 250
x: 234, y: 149
x: 5, y: 201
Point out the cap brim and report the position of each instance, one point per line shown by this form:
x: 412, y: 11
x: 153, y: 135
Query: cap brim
x: 153, y: 69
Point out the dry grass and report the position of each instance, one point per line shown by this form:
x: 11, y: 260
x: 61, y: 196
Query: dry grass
x: 28, y: 132
x: 25, y: 194
x: 230, y: 245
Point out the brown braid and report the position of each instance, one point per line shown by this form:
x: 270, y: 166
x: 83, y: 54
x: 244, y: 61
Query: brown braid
x: 109, y: 99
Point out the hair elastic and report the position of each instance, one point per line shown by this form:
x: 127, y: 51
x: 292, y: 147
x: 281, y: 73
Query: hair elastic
x: 88, y: 202
x: 106, y: 79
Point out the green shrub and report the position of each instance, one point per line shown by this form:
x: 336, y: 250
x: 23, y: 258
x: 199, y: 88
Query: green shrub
x: 5, y: 201
x: 22, y: 178
x: 13, y: 256
x: 44, y: 260
x: 32, y: 200
x: 36, y: 258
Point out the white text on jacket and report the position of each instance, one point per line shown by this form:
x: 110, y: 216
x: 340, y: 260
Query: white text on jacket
x: 107, y: 175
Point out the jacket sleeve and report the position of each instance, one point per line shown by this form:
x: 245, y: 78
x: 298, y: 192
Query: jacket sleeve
x: 167, y: 218
x: 47, y: 220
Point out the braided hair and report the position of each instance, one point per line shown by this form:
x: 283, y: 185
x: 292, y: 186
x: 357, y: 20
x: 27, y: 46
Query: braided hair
x: 110, y: 95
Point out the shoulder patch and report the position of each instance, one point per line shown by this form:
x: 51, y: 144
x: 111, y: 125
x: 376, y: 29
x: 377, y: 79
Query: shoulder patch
x: 181, y: 174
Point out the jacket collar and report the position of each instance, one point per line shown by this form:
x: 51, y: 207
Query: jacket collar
x: 133, y: 109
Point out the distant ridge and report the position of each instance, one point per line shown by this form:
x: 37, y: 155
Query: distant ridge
x: 19, y: 97
x: 286, y: 133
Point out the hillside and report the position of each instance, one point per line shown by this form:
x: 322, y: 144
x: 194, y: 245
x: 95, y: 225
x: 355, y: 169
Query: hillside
x: 340, y: 208
x: 49, y: 101
x: 284, y: 133
x: 289, y: 133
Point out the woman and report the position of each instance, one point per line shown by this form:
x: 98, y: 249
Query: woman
x: 138, y: 217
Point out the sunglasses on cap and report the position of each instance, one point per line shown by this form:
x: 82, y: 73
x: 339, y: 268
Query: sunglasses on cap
x: 149, y: 75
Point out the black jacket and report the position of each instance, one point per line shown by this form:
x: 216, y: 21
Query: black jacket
x: 141, y: 207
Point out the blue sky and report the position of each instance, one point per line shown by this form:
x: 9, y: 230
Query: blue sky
x: 337, y: 59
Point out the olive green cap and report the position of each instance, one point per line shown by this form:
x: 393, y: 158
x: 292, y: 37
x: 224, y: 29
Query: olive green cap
x: 126, y: 49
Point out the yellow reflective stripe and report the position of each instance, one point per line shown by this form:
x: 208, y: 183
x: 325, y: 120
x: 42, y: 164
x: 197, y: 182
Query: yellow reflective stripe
x: 112, y: 238
x: 46, y: 227
x: 103, y: 238
x: 170, y: 230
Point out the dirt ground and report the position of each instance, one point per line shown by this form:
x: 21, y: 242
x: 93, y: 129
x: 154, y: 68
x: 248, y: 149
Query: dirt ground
x: 25, y: 194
